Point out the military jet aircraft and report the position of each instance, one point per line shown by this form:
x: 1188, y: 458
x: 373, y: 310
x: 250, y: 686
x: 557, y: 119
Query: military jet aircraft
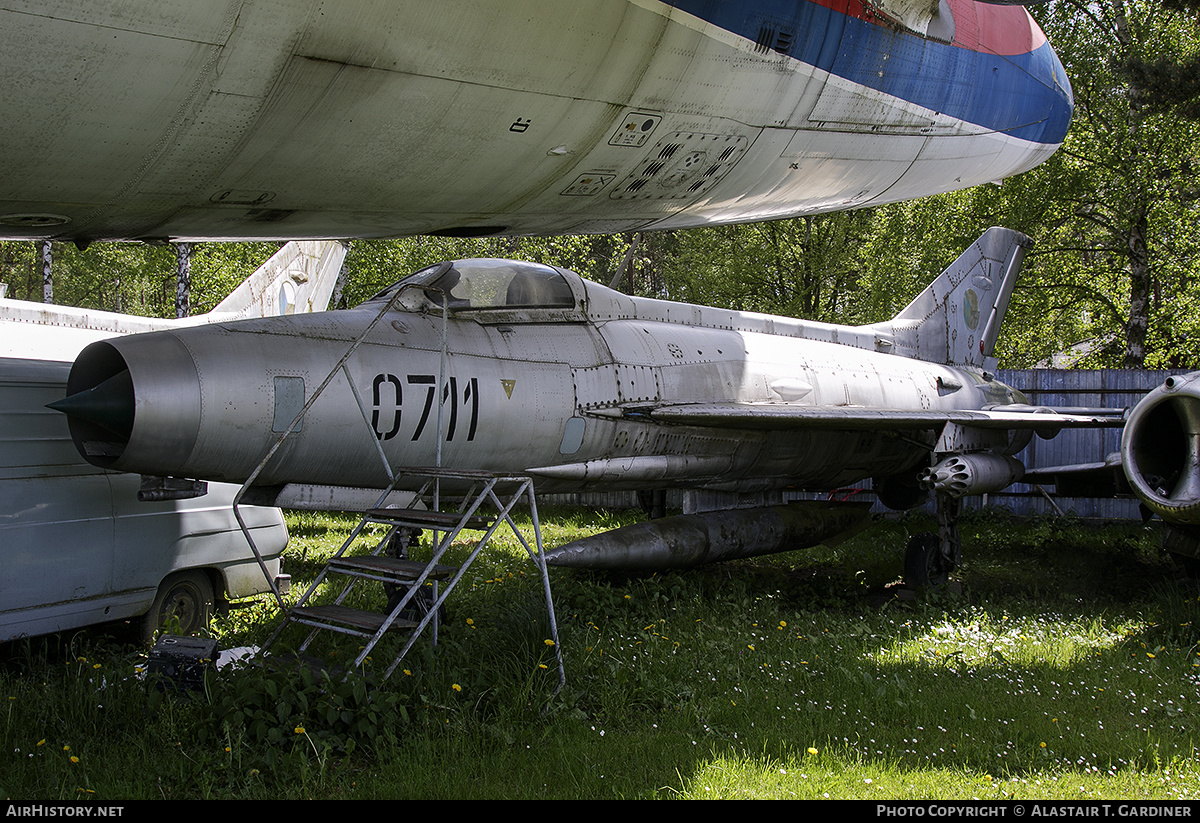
x: 1158, y: 463
x: 290, y: 119
x: 512, y: 367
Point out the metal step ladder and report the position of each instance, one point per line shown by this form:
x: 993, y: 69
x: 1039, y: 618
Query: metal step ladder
x: 424, y: 586
x: 501, y: 493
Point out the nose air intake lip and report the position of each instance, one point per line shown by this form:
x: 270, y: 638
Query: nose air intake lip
x: 99, y: 404
x: 135, y: 398
x: 1160, y: 450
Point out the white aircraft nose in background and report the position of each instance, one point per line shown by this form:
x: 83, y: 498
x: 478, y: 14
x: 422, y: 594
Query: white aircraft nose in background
x: 212, y: 119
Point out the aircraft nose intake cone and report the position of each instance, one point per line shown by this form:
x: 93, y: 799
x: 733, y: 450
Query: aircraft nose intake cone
x: 108, y: 405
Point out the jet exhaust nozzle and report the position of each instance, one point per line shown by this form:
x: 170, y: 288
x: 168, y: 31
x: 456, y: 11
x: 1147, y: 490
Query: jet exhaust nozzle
x: 1160, y: 450
x: 690, y: 540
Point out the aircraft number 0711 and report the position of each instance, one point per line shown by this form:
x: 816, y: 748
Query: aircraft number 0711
x: 387, y: 403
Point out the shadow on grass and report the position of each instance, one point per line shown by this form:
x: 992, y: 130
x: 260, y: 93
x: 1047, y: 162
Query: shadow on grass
x: 1058, y: 633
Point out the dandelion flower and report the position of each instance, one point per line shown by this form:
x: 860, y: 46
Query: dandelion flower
x: 456, y: 687
x: 299, y: 730
x: 74, y: 759
x: 549, y: 642
x: 407, y: 673
x: 811, y: 750
x: 470, y: 622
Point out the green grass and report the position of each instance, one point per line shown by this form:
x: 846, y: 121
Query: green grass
x: 1063, y: 663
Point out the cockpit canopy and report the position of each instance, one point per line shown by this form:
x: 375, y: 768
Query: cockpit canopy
x: 483, y: 283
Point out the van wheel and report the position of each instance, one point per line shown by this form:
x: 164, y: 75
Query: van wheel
x: 184, y: 604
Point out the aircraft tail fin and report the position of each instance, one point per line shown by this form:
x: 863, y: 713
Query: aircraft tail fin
x: 298, y: 278
x: 956, y: 320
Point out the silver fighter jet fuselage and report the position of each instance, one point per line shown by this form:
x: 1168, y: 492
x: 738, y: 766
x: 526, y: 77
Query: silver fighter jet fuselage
x: 531, y: 369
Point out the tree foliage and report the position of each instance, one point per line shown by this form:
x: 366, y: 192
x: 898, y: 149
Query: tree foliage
x: 130, y: 278
x: 1169, y: 80
x: 1119, y: 245
x: 808, y: 267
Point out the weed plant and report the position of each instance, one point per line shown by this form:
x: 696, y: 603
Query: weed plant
x: 1062, y: 662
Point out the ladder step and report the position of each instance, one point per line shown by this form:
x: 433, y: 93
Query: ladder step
x: 391, y: 568
x: 457, y: 474
x: 345, y: 616
x: 419, y: 518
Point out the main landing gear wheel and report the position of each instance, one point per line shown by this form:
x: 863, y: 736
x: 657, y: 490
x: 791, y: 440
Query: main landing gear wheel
x: 925, y: 564
x: 186, y: 597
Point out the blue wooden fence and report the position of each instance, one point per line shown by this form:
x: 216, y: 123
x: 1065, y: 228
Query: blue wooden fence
x: 1107, y: 388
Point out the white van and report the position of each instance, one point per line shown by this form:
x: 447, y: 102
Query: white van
x: 77, y: 547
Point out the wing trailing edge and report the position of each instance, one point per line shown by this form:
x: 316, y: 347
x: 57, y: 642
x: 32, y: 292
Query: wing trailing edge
x: 785, y: 416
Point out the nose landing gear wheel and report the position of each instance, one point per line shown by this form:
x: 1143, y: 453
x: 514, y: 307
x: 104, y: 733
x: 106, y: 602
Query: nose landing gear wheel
x: 925, y: 564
